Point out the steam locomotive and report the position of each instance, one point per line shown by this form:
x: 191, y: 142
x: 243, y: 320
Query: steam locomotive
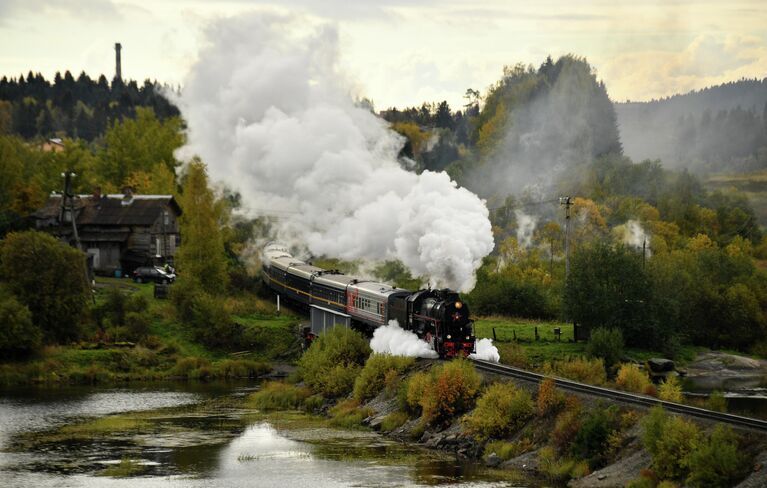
x: 438, y: 317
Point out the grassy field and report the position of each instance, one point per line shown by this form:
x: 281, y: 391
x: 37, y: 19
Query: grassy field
x: 517, y: 344
x: 169, y: 351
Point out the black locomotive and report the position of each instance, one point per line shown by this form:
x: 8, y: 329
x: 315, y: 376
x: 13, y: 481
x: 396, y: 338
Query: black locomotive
x: 438, y: 317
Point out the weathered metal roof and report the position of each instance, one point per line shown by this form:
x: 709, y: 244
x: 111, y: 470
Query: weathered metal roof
x: 112, y: 210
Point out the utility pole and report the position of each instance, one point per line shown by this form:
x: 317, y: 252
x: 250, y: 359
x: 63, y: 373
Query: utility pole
x: 644, y: 252
x: 567, y: 203
x: 68, y: 199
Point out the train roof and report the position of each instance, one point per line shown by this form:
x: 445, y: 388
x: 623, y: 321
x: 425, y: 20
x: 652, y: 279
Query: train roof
x: 278, y: 255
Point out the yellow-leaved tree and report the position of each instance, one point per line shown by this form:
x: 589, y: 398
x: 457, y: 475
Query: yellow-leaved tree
x: 201, y: 258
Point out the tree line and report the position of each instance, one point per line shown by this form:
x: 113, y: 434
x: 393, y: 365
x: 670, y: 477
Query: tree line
x: 82, y: 108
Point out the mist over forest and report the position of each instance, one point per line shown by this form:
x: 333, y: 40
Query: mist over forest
x: 717, y: 129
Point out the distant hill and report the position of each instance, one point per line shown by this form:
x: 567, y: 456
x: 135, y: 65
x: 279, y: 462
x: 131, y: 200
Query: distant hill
x: 717, y: 129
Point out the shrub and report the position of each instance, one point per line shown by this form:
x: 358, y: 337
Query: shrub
x: 186, y: 367
x: 393, y: 421
x: 642, y: 482
x: 19, y: 336
x: 592, y: 440
x: 348, y: 414
x: 566, y: 427
x: 240, y: 368
x: 606, y: 344
x: 591, y: 371
x: 716, y: 402
x: 332, y: 362
x: 555, y: 469
x: 314, y: 403
x: 48, y: 277
x: 448, y: 390
x: 373, y: 376
x: 717, y: 462
x: 630, y: 378
x: 513, y: 354
x: 549, y: 398
x: 507, y: 450
x: 414, y: 390
x: 501, y: 410
x: 669, y: 440
x: 668, y: 484
x: 671, y: 390
x: 276, y: 395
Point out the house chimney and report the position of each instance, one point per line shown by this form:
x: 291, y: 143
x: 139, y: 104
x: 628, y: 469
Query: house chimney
x: 97, y: 193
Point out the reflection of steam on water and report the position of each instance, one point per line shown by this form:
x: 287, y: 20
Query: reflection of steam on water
x: 392, y: 339
x: 268, y: 112
x: 486, y: 351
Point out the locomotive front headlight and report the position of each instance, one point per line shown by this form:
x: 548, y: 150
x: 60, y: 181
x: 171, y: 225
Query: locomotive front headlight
x: 449, y: 336
x: 458, y: 304
x: 468, y: 337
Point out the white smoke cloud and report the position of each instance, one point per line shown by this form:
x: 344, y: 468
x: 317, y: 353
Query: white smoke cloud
x: 392, y: 339
x: 525, y: 228
x: 634, y: 235
x: 486, y: 351
x: 269, y: 114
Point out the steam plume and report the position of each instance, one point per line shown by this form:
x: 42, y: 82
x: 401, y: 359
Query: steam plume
x: 269, y: 114
x: 525, y: 228
x: 392, y: 339
x: 634, y: 234
x: 486, y: 351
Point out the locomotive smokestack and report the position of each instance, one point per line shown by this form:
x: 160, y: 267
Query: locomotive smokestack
x: 118, y: 64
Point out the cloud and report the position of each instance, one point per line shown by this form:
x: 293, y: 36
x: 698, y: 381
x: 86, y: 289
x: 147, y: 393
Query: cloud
x: 706, y: 60
x: 81, y: 9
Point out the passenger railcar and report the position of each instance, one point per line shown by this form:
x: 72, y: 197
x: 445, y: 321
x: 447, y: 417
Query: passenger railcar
x: 436, y: 316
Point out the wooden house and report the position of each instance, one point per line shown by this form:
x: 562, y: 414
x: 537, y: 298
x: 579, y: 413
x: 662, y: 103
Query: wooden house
x: 117, y: 231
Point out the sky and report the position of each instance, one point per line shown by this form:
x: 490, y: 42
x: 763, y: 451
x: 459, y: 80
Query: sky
x: 402, y: 53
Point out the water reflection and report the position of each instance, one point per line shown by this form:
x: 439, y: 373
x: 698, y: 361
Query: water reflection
x: 208, y: 444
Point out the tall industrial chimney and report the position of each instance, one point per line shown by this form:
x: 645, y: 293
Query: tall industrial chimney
x: 118, y: 67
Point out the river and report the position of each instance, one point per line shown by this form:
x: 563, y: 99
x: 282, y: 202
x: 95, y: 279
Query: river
x: 201, y: 435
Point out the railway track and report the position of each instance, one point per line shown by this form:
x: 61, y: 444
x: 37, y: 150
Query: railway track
x: 625, y: 397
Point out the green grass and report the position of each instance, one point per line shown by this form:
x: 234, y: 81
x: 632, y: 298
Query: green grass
x: 507, y: 328
x: 547, y: 348
x: 171, y: 349
x: 125, y: 469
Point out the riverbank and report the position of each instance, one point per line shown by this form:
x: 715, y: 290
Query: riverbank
x: 529, y: 430
x: 167, y: 349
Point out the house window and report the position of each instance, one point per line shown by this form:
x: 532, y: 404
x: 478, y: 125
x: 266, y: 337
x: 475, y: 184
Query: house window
x: 157, y: 246
x: 172, y: 245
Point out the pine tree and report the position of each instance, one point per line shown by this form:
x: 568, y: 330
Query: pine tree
x: 201, y: 258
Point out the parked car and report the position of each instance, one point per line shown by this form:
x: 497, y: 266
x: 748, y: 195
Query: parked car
x: 153, y: 273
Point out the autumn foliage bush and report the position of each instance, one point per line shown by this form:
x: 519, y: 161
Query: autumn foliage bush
x: 445, y: 391
x: 669, y: 440
x: 333, y: 362
x: 549, y: 399
x: 671, y: 390
x: 276, y: 395
x: 501, y: 410
x: 631, y: 378
x: 591, y: 371
x: 377, y: 370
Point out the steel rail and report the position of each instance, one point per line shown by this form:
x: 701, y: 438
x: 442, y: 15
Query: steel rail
x: 622, y: 396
